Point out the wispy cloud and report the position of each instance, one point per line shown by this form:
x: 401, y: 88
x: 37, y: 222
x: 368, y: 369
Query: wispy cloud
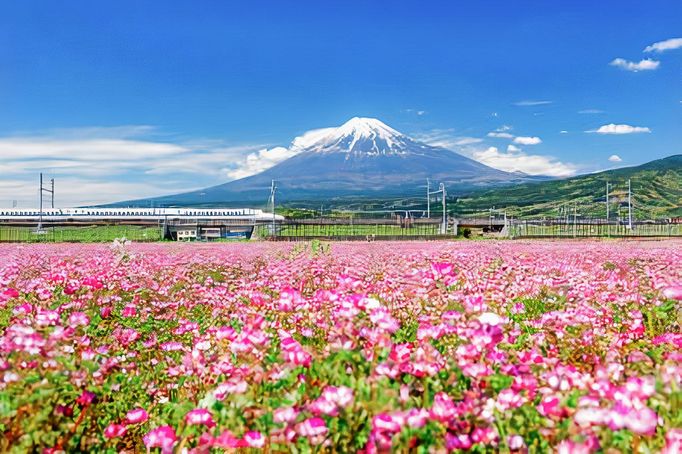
x: 643, y: 65
x: 527, y: 140
x: 590, y: 112
x: 119, y: 162
x: 500, y: 135
x: 517, y: 161
x: 661, y: 46
x: 445, y: 138
x: 531, y: 102
x: 615, y: 158
x: 620, y: 129
x: 415, y: 111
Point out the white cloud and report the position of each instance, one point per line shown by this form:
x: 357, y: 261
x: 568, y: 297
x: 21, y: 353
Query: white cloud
x: 90, y: 149
x: 615, y: 158
x: 261, y: 160
x: 531, y: 102
x: 512, y: 148
x: 459, y: 141
x: 620, y: 129
x: 445, y: 138
x: 590, y: 111
x: 500, y: 135
x: 108, y: 164
x: 79, y: 192
x: 661, y: 46
x: 643, y: 65
x: 563, y: 131
x: 517, y: 161
x: 311, y: 137
x: 527, y: 140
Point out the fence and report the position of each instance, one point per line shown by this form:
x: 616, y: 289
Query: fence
x: 331, y: 228
x: 79, y: 234
x: 584, y: 229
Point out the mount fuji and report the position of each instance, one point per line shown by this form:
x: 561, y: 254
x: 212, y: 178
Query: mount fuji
x: 361, y: 158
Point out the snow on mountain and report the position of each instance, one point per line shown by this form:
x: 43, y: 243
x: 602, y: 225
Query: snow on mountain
x: 367, y: 136
x: 363, y: 157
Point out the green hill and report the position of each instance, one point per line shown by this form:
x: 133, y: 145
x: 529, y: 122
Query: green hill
x: 656, y: 189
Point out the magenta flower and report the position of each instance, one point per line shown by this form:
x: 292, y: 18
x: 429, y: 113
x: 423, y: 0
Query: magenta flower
x: 86, y: 399
x: 161, y: 437
x: 312, y: 427
x: 78, y: 319
x: 137, y: 416
x: 115, y: 431
x: 285, y: 415
x: 673, y: 292
x: 199, y: 416
x: 254, y: 439
x: 643, y: 421
x: 105, y: 312
x: 443, y: 407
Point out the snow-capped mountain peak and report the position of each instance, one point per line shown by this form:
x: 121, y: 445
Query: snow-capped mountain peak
x: 359, y: 136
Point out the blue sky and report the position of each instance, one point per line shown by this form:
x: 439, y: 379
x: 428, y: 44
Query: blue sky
x: 138, y: 98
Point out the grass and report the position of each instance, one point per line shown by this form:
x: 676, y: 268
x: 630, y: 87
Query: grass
x: 353, y: 230
x: 567, y: 230
x: 90, y: 234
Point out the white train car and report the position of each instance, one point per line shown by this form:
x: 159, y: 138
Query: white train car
x: 128, y: 214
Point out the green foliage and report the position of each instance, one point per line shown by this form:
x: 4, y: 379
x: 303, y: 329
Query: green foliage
x: 657, y: 186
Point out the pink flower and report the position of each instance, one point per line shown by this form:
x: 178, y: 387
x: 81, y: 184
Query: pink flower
x: 86, y: 399
x: 78, y: 319
x: 674, y: 292
x: 285, y: 415
x: 440, y: 269
x: 515, y: 442
x: 642, y: 421
x: 199, y: 416
x: 161, y: 437
x: 226, y: 440
x: 115, y: 431
x: 254, y: 439
x: 490, y: 318
x: 312, y: 427
x: 11, y: 293
x: 384, y: 422
x: 550, y: 406
x: 443, y: 407
x: 137, y: 416
x: 673, y: 442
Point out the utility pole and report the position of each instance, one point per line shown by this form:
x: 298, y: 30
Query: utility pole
x: 608, y: 221
x: 607, y: 202
x: 445, y: 216
x: 42, y: 189
x: 40, y: 215
x: 441, y: 190
x: 273, y: 188
x: 629, y: 204
x: 575, y: 219
x: 428, y: 198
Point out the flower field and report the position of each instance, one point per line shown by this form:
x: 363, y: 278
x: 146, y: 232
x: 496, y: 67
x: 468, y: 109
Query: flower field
x: 366, y: 347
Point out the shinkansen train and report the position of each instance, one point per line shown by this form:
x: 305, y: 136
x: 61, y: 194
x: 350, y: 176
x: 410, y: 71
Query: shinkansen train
x: 151, y: 214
